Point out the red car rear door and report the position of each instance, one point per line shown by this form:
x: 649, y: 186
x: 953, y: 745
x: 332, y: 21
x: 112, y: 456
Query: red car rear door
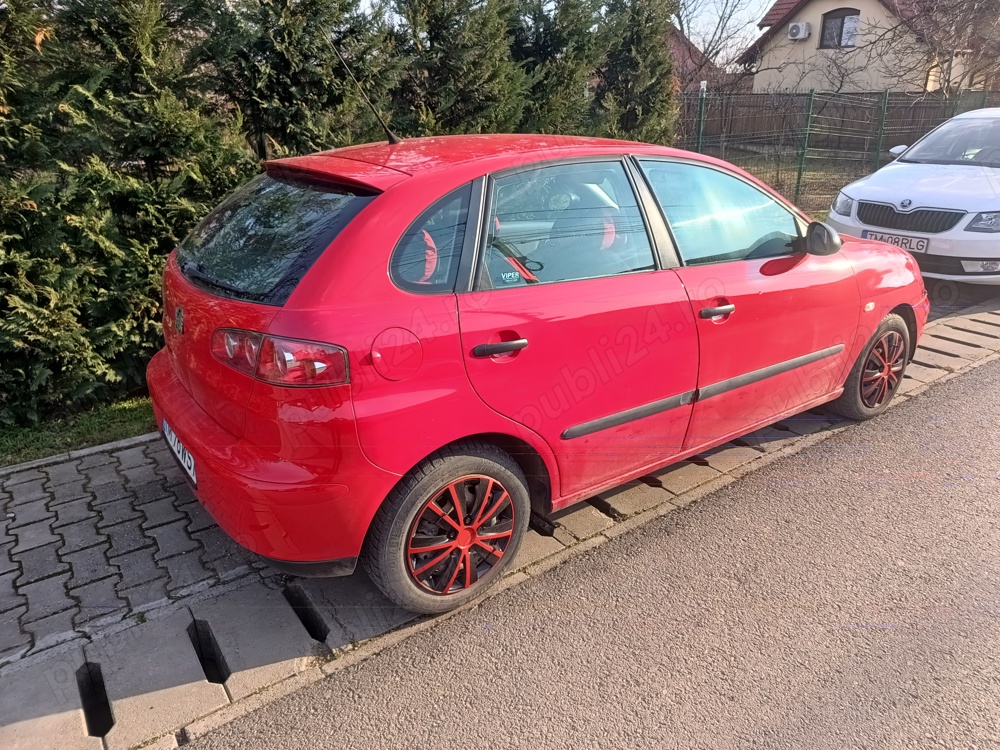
x: 574, y: 330
x: 775, y: 324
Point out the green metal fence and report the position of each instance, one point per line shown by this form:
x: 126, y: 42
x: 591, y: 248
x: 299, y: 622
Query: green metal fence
x: 808, y: 146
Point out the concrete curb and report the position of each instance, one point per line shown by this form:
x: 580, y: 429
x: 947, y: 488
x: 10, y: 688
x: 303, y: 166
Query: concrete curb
x: 6, y: 471
x: 96, y: 633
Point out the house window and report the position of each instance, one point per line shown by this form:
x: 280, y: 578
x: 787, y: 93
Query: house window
x: 840, y: 28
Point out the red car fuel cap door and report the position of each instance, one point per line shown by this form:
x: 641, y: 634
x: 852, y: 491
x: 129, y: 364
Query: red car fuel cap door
x: 396, y: 354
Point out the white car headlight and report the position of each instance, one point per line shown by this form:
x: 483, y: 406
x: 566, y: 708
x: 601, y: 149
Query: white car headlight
x: 987, y: 222
x: 842, y: 205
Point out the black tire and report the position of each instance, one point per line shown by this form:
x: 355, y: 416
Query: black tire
x: 414, y: 513
x: 859, y: 401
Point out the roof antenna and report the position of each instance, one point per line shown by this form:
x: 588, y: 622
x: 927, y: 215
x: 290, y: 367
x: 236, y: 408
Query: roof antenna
x: 393, y: 139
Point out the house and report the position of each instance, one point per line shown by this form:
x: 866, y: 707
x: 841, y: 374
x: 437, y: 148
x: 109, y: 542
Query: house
x: 870, y: 45
x: 691, y: 65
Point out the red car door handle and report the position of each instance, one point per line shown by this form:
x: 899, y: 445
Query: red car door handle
x: 491, y: 350
x: 715, y: 312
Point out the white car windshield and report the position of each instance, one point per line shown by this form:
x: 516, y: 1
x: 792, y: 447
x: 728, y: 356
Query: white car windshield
x: 960, y: 141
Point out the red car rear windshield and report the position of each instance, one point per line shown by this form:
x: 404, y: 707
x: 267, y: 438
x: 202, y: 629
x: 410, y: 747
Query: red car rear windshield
x: 259, y: 242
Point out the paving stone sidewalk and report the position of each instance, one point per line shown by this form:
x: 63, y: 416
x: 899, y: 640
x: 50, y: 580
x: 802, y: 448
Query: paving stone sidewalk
x: 89, y: 542
x: 118, y: 589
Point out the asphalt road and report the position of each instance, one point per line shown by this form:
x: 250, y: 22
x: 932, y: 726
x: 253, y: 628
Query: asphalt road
x: 846, y: 597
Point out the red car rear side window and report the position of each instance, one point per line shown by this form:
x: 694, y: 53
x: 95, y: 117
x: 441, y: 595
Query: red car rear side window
x: 426, y: 257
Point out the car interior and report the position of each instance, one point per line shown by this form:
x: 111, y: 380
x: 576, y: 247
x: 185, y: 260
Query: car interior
x: 961, y: 141
x: 562, y: 227
x: 429, y: 252
x: 716, y: 218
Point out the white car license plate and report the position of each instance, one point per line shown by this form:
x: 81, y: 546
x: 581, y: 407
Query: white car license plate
x: 913, y: 244
x: 183, y: 455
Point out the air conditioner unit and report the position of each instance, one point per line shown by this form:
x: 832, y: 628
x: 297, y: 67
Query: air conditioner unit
x: 799, y: 30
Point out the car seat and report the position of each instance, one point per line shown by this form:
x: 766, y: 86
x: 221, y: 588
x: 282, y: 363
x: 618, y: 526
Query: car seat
x: 585, y: 239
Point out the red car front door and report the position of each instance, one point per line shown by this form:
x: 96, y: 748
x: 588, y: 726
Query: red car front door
x: 783, y: 348
x: 775, y: 325
x: 572, y: 331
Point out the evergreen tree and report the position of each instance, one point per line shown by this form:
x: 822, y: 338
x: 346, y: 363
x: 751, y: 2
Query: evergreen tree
x: 558, y: 46
x: 369, y: 47
x: 23, y: 32
x: 275, y: 60
x: 125, y: 91
x: 634, y: 97
x: 460, y: 77
x: 127, y: 158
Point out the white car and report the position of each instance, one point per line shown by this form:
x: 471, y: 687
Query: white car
x: 940, y: 200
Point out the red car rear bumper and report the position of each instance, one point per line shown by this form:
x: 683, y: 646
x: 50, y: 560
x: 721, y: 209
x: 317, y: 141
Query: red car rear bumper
x: 304, y: 523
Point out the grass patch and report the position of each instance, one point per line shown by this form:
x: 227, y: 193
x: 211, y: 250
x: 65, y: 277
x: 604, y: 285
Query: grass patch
x: 116, y: 421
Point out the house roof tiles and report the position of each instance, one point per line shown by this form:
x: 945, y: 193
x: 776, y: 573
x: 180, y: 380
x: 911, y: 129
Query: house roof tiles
x: 778, y: 11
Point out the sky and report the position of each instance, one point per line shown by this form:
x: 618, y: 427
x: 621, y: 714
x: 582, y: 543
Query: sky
x: 755, y: 11
x: 706, y: 18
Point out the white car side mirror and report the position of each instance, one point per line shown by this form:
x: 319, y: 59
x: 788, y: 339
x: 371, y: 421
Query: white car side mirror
x: 897, y: 151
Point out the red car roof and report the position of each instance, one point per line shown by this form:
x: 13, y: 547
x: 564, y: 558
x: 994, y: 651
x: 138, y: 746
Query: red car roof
x: 381, y: 165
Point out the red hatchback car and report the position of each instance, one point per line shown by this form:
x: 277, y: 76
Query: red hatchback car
x: 397, y: 353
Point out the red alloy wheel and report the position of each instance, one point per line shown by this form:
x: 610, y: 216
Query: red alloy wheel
x: 883, y: 370
x: 459, y: 535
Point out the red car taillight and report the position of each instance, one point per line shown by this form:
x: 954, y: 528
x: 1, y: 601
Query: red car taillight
x: 238, y: 349
x: 293, y: 362
x: 281, y: 361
